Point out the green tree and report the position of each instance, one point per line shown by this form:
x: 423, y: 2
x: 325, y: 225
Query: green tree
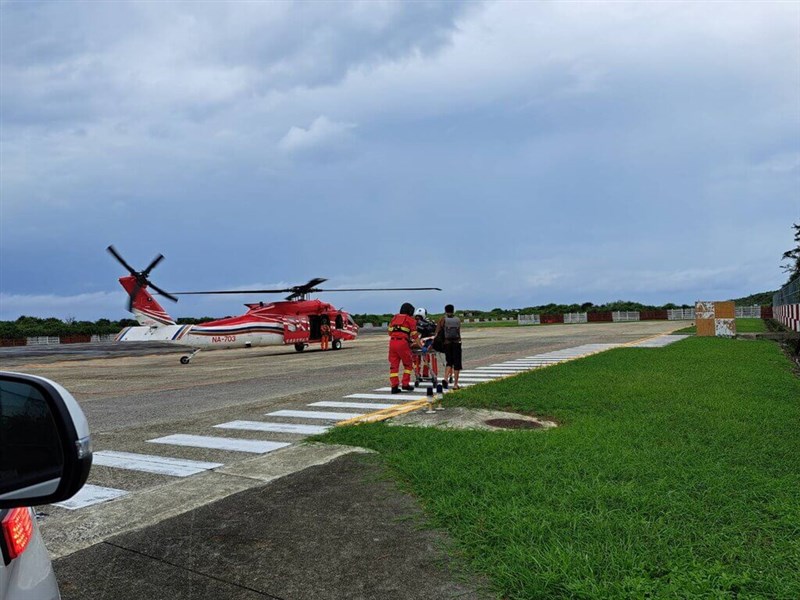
x: 793, y: 256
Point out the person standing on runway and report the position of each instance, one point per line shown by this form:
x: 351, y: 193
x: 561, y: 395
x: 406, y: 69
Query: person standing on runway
x: 451, y: 325
x: 402, y: 334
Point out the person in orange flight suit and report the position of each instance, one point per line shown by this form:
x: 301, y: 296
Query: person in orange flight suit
x: 325, y: 333
x: 402, y: 334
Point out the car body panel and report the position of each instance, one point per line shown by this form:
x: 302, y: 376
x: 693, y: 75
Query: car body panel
x: 30, y: 576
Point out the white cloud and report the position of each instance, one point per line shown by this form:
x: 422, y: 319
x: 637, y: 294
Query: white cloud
x: 320, y: 134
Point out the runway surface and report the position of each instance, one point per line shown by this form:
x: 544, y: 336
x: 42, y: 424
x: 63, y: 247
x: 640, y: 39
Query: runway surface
x: 170, y: 437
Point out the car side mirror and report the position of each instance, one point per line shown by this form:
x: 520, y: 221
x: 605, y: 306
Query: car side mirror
x: 45, y: 446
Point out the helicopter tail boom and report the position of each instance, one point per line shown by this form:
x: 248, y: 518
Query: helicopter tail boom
x: 144, y: 307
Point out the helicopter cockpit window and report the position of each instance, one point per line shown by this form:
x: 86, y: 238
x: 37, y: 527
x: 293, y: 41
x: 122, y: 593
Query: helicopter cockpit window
x: 350, y: 321
x: 339, y: 322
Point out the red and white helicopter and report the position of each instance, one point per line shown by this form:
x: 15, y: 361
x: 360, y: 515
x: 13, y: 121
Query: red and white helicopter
x: 295, y: 321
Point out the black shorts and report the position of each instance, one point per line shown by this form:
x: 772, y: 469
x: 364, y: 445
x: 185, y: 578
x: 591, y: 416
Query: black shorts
x: 452, y: 355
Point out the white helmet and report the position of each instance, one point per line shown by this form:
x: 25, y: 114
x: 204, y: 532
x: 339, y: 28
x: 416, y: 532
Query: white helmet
x: 421, y: 312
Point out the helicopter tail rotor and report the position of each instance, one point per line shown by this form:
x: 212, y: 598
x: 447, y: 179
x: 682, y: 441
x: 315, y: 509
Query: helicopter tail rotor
x: 141, y: 278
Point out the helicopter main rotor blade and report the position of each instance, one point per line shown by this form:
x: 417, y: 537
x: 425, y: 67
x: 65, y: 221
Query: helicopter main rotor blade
x: 411, y: 289
x: 116, y: 255
x: 234, y: 292
x: 163, y: 293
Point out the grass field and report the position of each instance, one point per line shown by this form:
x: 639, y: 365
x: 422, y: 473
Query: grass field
x: 674, y: 474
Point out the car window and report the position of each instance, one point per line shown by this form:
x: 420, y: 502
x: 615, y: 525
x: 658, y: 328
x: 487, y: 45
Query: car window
x: 28, y: 432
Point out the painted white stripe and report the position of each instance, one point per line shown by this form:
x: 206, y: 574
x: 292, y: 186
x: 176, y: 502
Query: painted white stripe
x: 91, y: 494
x: 149, y: 463
x: 220, y: 443
x: 509, y: 369
x: 523, y: 363
x: 311, y: 414
x: 531, y: 361
x: 481, y: 376
x: 367, y: 405
x: 274, y: 427
x: 404, y: 396
x: 660, y: 342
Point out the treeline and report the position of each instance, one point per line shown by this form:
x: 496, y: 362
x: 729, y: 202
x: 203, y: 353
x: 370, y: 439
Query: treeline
x: 25, y: 327
x: 762, y: 299
x: 544, y: 309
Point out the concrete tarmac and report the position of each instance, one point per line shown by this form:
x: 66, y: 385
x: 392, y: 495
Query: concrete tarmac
x: 339, y: 531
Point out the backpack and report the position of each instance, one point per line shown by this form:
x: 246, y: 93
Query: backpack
x: 452, y: 328
x: 438, y: 341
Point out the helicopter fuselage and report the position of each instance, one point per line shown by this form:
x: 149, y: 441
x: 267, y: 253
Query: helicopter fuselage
x: 264, y: 324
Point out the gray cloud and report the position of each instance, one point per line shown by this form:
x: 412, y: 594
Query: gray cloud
x: 574, y: 151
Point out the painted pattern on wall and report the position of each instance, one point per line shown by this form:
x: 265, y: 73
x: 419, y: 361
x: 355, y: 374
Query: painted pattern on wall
x: 715, y: 319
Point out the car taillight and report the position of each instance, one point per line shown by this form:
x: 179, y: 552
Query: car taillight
x: 17, y: 531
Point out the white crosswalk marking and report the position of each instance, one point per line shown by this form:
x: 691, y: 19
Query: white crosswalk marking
x: 311, y: 414
x: 274, y: 427
x: 367, y: 405
x: 148, y: 463
x: 220, y: 443
x: 91, y: 494
x: 405, y: 396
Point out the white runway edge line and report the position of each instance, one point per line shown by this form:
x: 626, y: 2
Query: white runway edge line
x: 660, y: 342
x: 484, y: 374
x: 220, y: 443
x: 366, y: 405
x: 274, y: 427
x: 311, y: 414
x: 147, y: 463
x: 91, y: 494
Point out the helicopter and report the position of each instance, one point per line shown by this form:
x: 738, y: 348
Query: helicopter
x: 296, y: 321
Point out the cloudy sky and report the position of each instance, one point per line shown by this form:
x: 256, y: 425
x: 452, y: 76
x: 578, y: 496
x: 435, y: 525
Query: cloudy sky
x: 511, y: 153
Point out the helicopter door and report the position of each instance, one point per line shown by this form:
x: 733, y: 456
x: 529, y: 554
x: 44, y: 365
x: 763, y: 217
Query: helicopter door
x: 295, y: 330
x: 315, y: 324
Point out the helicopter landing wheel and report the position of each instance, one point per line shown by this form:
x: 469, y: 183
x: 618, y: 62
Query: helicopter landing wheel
x: 299, y: 347
x: 336, y: 344
x: 185, y: 360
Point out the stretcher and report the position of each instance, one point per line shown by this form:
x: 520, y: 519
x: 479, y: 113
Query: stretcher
x: 426, y: 365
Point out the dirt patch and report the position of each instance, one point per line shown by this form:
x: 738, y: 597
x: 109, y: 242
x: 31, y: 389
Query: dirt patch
x: 467, y: 418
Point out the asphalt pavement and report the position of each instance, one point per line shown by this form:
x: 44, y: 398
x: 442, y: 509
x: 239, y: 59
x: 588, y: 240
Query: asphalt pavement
x: 342, y: 530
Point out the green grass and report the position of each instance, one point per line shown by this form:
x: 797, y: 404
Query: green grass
x: 750, y: 326
x: 675, y: 473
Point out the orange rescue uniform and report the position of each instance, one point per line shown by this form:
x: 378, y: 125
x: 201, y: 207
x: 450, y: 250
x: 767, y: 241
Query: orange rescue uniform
x: 402, y: 332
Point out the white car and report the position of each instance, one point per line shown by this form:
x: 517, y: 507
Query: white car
x: 45, y: 457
